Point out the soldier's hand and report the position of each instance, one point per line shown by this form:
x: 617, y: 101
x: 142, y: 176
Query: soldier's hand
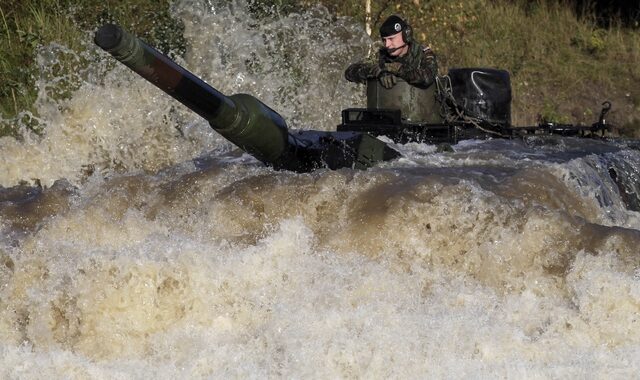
x: 376, y: 71
x: 387, y: 80
x: 392, y: 67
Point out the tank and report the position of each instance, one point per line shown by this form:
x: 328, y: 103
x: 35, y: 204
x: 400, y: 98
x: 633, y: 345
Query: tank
x: 468, y: 103
x: 241, y: 118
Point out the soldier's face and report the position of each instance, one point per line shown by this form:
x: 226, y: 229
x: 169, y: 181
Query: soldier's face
x: 395, y: 45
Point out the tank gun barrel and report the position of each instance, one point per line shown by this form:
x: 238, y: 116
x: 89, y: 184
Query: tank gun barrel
x: 233, y: 117
x: 241, y: 118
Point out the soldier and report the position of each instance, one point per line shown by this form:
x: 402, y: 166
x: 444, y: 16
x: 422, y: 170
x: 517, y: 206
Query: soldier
x: 401, y: 57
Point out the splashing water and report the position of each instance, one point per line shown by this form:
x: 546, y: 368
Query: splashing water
x: 155, y: 249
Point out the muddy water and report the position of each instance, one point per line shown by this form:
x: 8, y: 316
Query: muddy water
x: 136, y: 243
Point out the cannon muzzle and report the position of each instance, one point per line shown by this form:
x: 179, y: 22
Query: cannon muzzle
x: 241, y: 118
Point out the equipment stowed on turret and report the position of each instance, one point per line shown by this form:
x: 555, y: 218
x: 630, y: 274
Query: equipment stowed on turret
x: 485, y: 94
x: 468, y: 103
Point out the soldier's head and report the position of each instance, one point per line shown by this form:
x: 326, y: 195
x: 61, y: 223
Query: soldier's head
x: 396, y: 35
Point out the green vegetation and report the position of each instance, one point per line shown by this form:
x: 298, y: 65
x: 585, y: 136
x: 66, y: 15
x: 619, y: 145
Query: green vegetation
x: 562, y: 66
x: 25, y: 25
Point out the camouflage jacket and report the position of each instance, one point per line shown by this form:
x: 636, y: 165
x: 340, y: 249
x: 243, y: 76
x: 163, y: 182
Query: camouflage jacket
x: 418, y: 67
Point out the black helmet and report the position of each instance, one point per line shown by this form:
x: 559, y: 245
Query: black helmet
x: 395, y: 24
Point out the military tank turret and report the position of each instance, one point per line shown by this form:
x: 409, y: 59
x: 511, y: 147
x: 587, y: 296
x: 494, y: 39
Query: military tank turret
x: 467, y: 103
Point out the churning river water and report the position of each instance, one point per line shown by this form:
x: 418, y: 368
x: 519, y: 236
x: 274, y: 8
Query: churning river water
x: 137, y: 243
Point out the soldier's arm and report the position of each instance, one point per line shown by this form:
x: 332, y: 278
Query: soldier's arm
x: 424, y: 74
x: 359, y: 72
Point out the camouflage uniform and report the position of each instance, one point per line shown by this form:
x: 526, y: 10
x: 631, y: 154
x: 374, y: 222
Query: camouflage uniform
x: 418, y: 67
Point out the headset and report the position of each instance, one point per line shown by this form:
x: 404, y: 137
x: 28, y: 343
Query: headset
x: 407, y: 33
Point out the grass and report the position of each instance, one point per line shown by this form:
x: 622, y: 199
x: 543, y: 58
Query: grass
x: 27, y: 25
x: 562, y: 66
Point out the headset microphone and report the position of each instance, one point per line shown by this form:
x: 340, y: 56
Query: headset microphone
x: 391, y: 50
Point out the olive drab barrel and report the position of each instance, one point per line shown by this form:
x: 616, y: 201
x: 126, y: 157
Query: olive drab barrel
x: 236, y: 118
x: 242, y: 119
x: 416, y: 104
